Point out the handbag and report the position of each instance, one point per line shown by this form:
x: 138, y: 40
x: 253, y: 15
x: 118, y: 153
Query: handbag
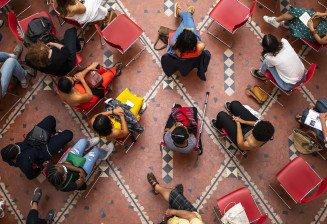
x: 235, y: 215
x: 163, y: 35
x: 39, y: 135
x: 76, y: 160
x: 257, y: 94
x: 304, y: 143
x: 93, y: 79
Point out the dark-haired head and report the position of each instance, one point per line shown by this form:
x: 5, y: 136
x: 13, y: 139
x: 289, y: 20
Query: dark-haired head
x: 179, y: 134
x: 65, y: 85
x: 186, y: 42
x: 54, y: 176
x: 62, y: 6
x: 271, y: 45
x: 102, y: 125
x: 263, y: 131
x: 9, y: 153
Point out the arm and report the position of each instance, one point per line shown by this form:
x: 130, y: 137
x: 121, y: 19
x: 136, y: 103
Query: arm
x: 51, y: 44
x: 106, y: 113
x: 181, y: 213
x: 124, y: 129
x: 240, y: 140
x: 315, y: 34
x: 323, y: 125
x: 81, y: 179
x: 201, y: 47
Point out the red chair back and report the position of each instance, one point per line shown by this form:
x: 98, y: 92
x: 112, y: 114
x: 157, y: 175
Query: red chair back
x: 298, y: 178
x: 309, y: 76
x: 243, y: 196
x: 247, y: 18
x: 322, y: 188
x: 13, y: 25
x: 99, y: 30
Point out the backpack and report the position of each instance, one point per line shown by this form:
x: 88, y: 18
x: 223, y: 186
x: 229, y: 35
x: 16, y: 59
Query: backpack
x: 163, y: 35
x: 39, y: 29
x: 321, y: 105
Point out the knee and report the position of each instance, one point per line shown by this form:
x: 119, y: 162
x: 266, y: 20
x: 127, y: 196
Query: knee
x: 68, y: 134
x: 51, y: 119
x: 221, y: 115
x: 234, y: 104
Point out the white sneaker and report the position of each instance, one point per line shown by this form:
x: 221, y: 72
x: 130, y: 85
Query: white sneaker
x: 109, y: 149
x: 272, y: 21
x: 24, y: 82
x: 282, y: 24
x: 108, y: 100
x: 93, y: 141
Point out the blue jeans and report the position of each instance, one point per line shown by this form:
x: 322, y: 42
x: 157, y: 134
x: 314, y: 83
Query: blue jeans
x: 91, y: 157
x: 187, y: 21
x: 285, y: 86
x: 9, y: 68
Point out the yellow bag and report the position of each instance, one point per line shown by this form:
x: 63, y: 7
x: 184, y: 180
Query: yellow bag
x: 257, y: 94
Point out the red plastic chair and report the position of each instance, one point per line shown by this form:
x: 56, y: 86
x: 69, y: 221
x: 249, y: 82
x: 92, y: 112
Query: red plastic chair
x: 298, y: 179
x: 314, y: 45
x: 244, y: 197
x: 82, y: 27
x: 171, y: 34
x: 18, y: 99
x: 269, y: 76
x: 23, y: 24
x: 3, y: 3
x: 121, y: 34
x: 231, y: 15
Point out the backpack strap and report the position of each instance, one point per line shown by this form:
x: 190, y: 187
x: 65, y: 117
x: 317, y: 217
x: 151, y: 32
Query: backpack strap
x: 70, y: 178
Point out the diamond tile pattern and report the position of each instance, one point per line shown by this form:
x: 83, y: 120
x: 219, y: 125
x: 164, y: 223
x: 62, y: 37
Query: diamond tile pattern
x: 229, y: 83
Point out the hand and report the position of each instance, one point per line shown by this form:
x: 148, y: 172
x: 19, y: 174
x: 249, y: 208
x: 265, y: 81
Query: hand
x: 310, y: 25
x: 317, y: 15
x: 238, y: 120
x: 118, y: 111
x: 93, y: 66
x: 45, y: 164
x: 51, y: 44
x: 169, y: 212
x: 82, y: 173
x: 79, y: 76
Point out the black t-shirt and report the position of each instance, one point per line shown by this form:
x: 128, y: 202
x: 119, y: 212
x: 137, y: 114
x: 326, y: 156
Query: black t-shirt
x: 62, y: 62
x: 71, y: 177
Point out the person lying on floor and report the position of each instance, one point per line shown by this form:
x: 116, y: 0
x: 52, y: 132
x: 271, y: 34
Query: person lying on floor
x: 76, y: 92
x: 119, y: 119
x: 29, y: 153
x: 180, y: 209
x: 67, y: 177
x: 243, y: 128
x: 282, y: 62
x: 178, y: 137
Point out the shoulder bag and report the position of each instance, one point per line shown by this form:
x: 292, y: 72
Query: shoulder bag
x: 304, y: 143
x: 163, y: 35
x: 40, y: 135
x: 93, y: 79
x: 257, y: 94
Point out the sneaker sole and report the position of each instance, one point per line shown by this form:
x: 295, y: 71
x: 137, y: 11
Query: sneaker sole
x: 255, y: 76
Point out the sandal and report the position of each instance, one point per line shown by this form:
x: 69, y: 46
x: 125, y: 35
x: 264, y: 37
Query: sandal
x: 191, y: 10
x: 118, y: 66
x: 153, y: 182
x: 2, y: 213
x: 177, y: 6
x: 298, y: 118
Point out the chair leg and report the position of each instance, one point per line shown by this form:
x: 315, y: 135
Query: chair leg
x: 91, y: 188
x: 230, y: 46
x: 23, y: 11
x: 216, y: 214
x: 138, y: 53
x: 19, y: 99
x: 133, y: 141
x: 267, y: 7
x: 271, y: 97
x: 279, y: 196
x: 321, y: 156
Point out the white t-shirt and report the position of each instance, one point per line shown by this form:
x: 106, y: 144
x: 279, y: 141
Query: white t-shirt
x: 287, y: 63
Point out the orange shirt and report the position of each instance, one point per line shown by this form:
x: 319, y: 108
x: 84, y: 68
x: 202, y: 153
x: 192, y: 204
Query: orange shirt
x: 193, y: 54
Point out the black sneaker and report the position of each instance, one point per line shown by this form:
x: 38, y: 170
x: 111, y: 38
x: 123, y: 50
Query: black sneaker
x: 213, y: 124
x: 50, y: 216
x: 255, y: 73
x: 37, y: 195
x: 227, y: 106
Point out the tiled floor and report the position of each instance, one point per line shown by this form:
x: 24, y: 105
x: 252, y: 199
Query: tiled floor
x: 122, y: 193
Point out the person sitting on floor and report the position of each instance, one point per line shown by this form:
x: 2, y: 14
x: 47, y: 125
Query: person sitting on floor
x: 80, y: 94
x: 33, y: 215
x: 244, y: 129
x: 67, y: 177
x: 178, y: 137
x: 82, y: 12
x: 55, y: 58
x: 29, y: 153
x: 11, y: 67
x: 180, y: 209
x: 315, y: 31
x: 120, y: 117
x: 186, y: 42
x: 282, y: 62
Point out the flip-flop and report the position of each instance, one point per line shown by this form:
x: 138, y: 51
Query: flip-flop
x: 177, y: 6
x: 191, y: 10
x: 118, y: 66
x: 153, y: 182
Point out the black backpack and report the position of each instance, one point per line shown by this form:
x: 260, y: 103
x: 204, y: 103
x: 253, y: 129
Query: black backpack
x: 39, y: 29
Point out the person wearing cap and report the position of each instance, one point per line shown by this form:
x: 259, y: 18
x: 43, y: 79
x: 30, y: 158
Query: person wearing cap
x: 177, y: 137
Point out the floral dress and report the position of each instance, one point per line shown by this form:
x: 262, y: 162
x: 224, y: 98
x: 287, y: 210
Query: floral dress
x: 298, y: 29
